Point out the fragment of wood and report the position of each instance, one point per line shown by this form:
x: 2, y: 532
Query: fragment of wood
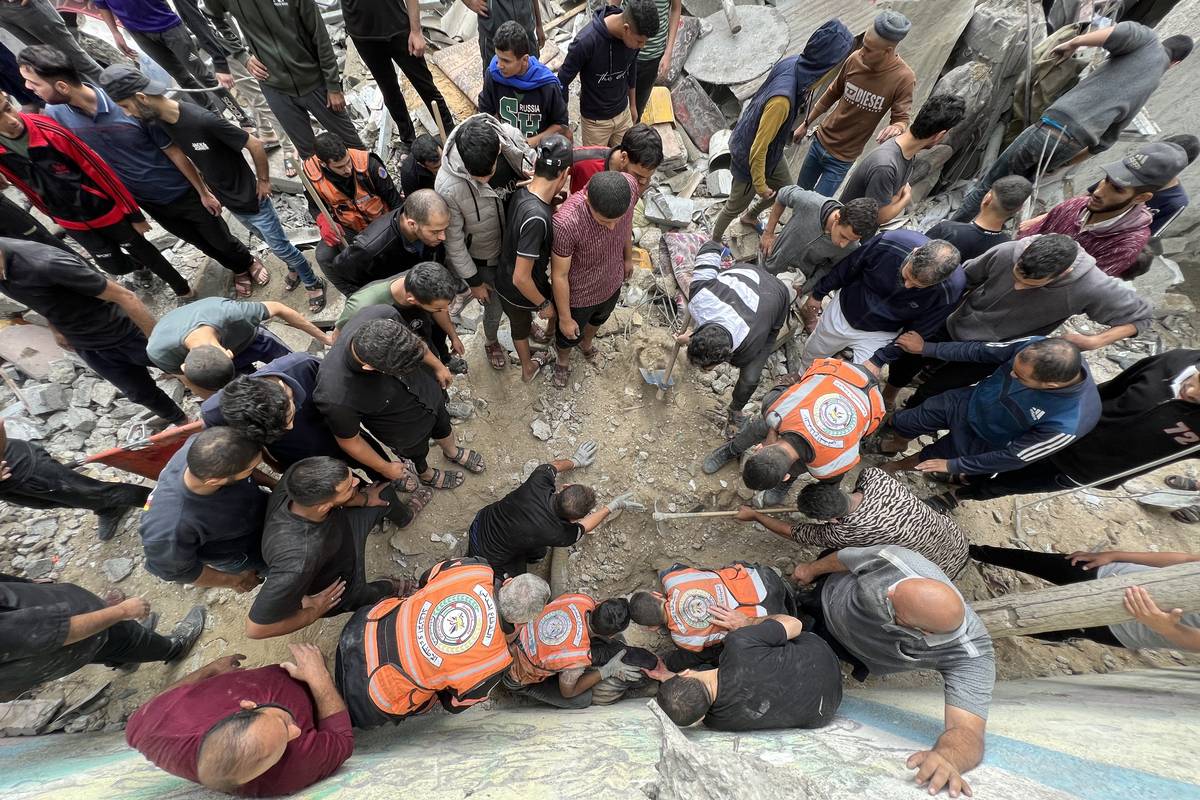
x: 564, y: 17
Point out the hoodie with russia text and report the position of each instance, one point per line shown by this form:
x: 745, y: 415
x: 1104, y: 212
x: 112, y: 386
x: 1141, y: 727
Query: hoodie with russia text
x: 607, y: 69
x: 530, y: 102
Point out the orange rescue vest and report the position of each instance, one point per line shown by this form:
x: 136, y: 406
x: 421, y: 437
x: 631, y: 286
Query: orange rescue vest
x: 447, y: 636
x: 357, y: 212
x: 691, y: 591
x: 833, y: 407
x: 559, y: 639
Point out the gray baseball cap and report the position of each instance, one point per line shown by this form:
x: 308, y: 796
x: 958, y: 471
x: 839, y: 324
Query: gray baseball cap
x: 1153, y: 164
x: 122, y: 81
x: 892, y: 25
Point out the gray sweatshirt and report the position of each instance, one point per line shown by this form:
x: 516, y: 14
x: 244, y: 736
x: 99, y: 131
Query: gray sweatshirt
x: 994, y: 311
x: 803, y: 243
x: 1098, y: 109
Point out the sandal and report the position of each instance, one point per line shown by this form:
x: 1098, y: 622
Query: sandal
x: 942, y: 503
x: 497, y: 355
x: 540, y: 334
x: 419, y: 499
x: 289, y: 165
x: 259, y: 273
x: 562, y: 376
x: 1183, y: 483
x: 590, y: 353
x: 540, y: 358
x: 445, y: 479
x: 291, y: 280
x: 470, y: 459
x: 243, y: 284
x: 316, y: 302
x: 1188, y: 515
x: 874, y: 447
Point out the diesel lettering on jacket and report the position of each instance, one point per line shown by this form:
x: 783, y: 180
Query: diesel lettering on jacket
x: 868, y: 101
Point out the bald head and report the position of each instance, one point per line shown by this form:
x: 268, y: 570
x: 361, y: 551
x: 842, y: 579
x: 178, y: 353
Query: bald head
x: 425, y: 207
x: 927, y: 605
x: 243, y: 746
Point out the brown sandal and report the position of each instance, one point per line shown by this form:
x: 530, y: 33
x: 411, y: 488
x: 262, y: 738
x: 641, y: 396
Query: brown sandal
x: 259, y: 273
x: 243, y: 284
x: 562, y: 376
x: 497, y: 355
x: 590, y: 353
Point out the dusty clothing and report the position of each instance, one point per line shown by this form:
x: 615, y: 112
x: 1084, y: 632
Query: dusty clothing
x: 890, y: 514
x: 863, y: 95
x: 994, y: 311
x: 1136, y: 635
x: 880, y: 176
x: 236, y: 323
x: 1114, y: 243
x: 803, y: 243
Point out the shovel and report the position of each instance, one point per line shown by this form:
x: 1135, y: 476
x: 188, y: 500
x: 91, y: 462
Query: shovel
x: 662, y: 378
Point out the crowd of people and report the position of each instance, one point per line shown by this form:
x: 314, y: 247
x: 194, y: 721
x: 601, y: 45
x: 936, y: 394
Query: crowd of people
x: 301, y: 457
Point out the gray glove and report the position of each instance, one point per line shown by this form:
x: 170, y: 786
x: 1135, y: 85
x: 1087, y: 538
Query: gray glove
x: 585, y: 455
x: 624, y: 501
x: 616, y: 668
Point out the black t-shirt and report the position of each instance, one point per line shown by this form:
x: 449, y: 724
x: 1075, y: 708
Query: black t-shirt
x: 215, y: 145
x: 414, y: 176
x: 768, y: 681
x: 530, y: 234
x: 522, y: 521
x: 970, y: 239
x: 530, y: 112
x: 65, y: 290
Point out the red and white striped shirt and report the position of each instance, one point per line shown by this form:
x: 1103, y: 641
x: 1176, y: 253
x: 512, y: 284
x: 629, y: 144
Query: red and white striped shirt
x: 597, y: 254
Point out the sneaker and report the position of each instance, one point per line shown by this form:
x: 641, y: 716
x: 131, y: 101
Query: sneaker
x: 186, y: 633
x: 719, y: 458
x: 144, y: 279
x: 109, y: 522
x: 773, y: 498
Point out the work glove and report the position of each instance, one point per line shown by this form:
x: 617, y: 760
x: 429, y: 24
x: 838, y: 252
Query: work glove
x: 624, y: 501
x: 585, y: 455
x: 616, y: 668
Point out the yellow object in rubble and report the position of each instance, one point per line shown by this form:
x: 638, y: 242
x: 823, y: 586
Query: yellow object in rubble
x: 659, y: 108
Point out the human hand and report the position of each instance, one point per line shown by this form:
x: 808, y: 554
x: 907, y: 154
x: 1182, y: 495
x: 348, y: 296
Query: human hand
x: 456, y: 345
x: 769, y: 194
x: 395, y: 471
x: 804, y: 574
x: 325, y: 599
x: 628, y: 269
x: 1141, y: 605
x: 225, y: 80
x: 800, y: 133
x: 264, y: 189
x: 585, y: 454
x: 220, y: 666
x: 890, y: 132
x: 481, y: 293
x: 664, y: 68
x: 5, y: 472
x: 617, y: 668
x: 934, y: 465
x: 326, y: 339
x: 911, y: 342
x: 624, y: 501
x: 904, y: 195
x: 257, y: 68
x: 211, y: 204
x: 336, y: 102
x: 1089, y: 561
x: 307, y: 664
x: 245, y: 581
x: 134, y: 608
x: 480, y: 7
x: 1066, y: 49
x: 374, y: 494
x: 416, y: 44
x: 728, y: 618
x: 124, y: 47
x: 767, y: 242
x: 872, y: 367
x: 444, y: 376
x: 141, y: 227
x: 659, y: 672
x: 746, y: 514
x: 568, y: 327
x: 547, y: 312
x: 937, y: 771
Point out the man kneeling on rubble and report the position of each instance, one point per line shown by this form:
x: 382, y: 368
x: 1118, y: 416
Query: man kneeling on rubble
x: 737, y: 314
x: 446, y: 642
x: 690, y: 603
x: 576, y: 639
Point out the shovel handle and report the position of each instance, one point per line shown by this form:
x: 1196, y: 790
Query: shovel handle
x: 666, y: 378
x: 659, y: 516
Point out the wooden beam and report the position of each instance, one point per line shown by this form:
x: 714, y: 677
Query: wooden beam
x: 1088, y: 604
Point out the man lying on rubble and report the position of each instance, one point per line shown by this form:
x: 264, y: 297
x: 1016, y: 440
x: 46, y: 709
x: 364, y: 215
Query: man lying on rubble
x: 812, y: 423
x: 639, y: 154
x: 737, y: 314
x: 447, y: 642
x: 771, y: 674
x: 687, y: 606
x: 887, y: 610
x: 571, y: 655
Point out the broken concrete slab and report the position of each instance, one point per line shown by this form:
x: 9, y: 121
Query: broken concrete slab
x: 675, y: 155
x: 282, y: 183
x: 31, y: 348
x: 723, y: 57
x: 81, y: 420
x: 46, y: 398
x: 62, y: 371
x: 695, y: 111
x: 720, y: 183
x: 116, y: 569
x: 668, y: 210
x: 685, y: 39
x: 24, y: 429
x: 27, y: 717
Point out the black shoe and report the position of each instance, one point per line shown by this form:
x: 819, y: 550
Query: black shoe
x: 719, y: 458
x: 109, y: 522
x: 144, y: 279
x: 186, y: 633
x: 457, y: 365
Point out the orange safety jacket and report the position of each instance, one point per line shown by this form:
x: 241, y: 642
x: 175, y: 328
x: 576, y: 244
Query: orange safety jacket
x: 833, y: 407
x: 691, y: 591
x: 357, y: 212
x: 559, y: 639
x: 446, y: 637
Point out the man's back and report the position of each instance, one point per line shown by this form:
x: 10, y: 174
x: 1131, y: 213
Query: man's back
x: 522, y: 522
x: 971, y: 240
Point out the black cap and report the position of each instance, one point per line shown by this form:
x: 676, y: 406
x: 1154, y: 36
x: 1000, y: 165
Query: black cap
x: 555, y: 152
x: 122, y: 81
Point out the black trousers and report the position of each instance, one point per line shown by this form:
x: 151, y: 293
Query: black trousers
x: 130, y: 643
x: 17, y: 223
x: 946, y: 375
x: 50, y: 484
x: 378, y: 55
x: 125, y: 367
x: 647, y: 71
x: 1052, y: 567
x: 418, y: 453
x: 188, y: 219
x: 359, y: 592
x: 1040, y: 476
x: 119, y: 250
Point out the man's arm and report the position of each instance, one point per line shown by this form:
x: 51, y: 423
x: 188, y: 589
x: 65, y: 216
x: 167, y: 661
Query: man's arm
x: 240, y: 582
x: 572, y: 64
x: 188, y: 168
x: 357, y: 448
x: 1033, y: 445
x: 829, y: 99
x: 523, y: 280
x: 118, y: 39
x: 844, y: 272
x: 899, y: 201
x: 383, y: 185
x: 560, y: 286
x: 295, y: 319
x: 957, y: 750
x: 631, y: 86
x: 1168, y: 624
x: 1121, y: 307
x: 774, y: 115
x: 1093, y: 560
x: 458, y: 258
x: 311, y: 607
x: 129, y: 302
x: 308, y: 666
x: 979, y: 352
x: 314, y: 26
x: 262, y: 167
x: 210, y: 670
x: 901, y: 110
x: 773, y: 524
x: 672, y: 28
x: 807, y: 573
x: 82, y: 626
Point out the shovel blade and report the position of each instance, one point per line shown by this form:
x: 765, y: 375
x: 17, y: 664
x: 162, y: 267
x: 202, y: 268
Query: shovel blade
x: 654, y: 377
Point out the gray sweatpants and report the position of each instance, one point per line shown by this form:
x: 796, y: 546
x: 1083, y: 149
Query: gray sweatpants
x: 39, y: 23
x: 293, y: 115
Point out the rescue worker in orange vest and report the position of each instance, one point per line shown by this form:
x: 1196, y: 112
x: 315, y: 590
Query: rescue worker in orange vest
x: 691, y: 594
x: 574, y: 638
x: 816, y: 421
x: 448, y: 642
x: 355, y: 188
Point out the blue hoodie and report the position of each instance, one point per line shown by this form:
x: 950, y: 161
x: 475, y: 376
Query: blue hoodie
x: 530, y: 102
x: 607, y: 69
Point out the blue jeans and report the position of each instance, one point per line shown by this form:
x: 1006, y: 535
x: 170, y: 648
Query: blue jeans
x: 821, y: 172
x: 267, y: 225
x: 1037, y: 143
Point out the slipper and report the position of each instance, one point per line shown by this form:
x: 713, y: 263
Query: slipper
x: 243, y: 284
x: 445, y: 479
x: 1183, y: 483
x: 467, y: 458
x: 942, y: 503
x: 1189, y: 515
x: 874, y: 447
x: 540, y: 358
x: 540, y: 334
x: 289, y: 165
x: 419, y: 499
x: 259, y: 273
x: 291, y: 280
x: 562, y: 376
x: 589, y: 354
x: 497, y: 355
x: 316, y: 302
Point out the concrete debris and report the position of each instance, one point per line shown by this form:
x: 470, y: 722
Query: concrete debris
x: 27, y: 717
x: 31, y: 348
x: 666, y: 209
x: 696, y: 112
x: 81, y: 420
x: 46, y: 398
x: 675, y: 154
x: 720, y: 183
x: 541, y: 429
x: 116, y: 569
x: 38, y: 568
x: 61, y: 371
x: 23, y: 428
x: 1172, y: 303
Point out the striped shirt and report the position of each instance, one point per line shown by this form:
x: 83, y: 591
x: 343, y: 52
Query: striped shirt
x: 890, y: 514
x: 747, y: 301
x: 597, y: 254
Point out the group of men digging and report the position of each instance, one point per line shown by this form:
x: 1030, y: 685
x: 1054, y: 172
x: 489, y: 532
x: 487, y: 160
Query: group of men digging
x: 962, y: 309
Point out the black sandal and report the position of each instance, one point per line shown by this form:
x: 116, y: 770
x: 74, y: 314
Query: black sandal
x: 942, y: 503
x: 470, y: 459
x: 1189, y: 515
x: 445, y: 479
x: 317, y: 303
x: 1182, y: 483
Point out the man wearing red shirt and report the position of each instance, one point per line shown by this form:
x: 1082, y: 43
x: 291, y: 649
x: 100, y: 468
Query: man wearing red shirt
x: 639, y: 154
x: 255, y: 732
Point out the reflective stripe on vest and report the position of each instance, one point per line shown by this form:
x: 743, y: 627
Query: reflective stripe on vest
x: 691, y: 591
x: 354, y: 213
x: 446, y: 636
x: 832, y: 408
x: 559, y: 638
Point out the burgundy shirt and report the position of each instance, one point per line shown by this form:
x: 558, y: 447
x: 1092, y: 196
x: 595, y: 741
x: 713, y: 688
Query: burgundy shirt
x: 1114, y: 247
x: 168, y: 730
x: 597, y: 254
